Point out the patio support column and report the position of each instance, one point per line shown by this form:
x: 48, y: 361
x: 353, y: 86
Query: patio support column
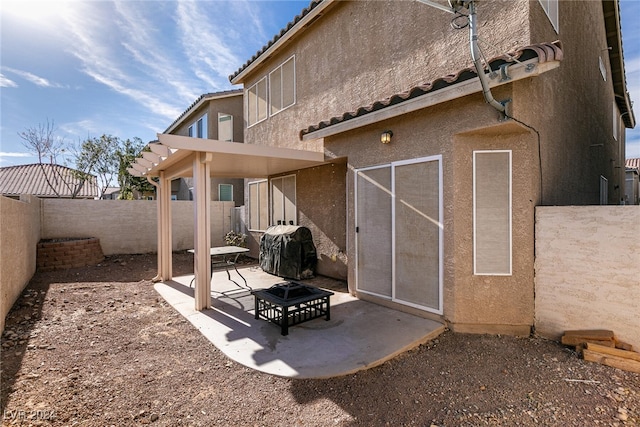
x: 164, y: 228
x: 202, y: 229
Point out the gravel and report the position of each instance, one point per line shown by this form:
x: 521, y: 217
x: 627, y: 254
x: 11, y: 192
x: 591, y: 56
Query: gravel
x: 97, y: 346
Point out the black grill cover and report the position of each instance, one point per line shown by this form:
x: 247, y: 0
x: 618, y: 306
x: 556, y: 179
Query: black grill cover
x: 288, y: 251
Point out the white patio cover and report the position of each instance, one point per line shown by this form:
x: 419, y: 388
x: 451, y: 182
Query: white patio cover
x: 175, y: 156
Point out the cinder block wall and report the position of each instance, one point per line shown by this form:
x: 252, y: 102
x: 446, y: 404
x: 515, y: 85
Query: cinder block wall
x: 63, y: 254
x: 588, y: 270
x: 19, y: 235
x: 128, y: 226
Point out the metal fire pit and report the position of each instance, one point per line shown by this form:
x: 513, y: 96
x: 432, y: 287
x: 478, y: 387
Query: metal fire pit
x: 291, y: 303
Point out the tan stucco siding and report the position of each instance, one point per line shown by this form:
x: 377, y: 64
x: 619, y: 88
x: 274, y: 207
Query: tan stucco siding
x: 360, y: 52
x: 228, y: 105
x: 19, y: 236
x: 575, y: 109
x: 455, y: 130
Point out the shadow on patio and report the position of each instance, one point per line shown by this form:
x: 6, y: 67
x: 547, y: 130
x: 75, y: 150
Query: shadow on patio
x: 359, y: 335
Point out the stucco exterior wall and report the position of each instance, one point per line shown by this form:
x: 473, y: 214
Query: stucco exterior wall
x: 19, y: 236
x: 228, y: 105
x: 128, y: 226
x: 501, y: 304
x: 363, y: 51
x: 575, y: 113
x: 588, y: 270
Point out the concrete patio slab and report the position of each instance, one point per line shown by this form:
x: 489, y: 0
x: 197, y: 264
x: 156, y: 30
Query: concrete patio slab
x: 360, y: 334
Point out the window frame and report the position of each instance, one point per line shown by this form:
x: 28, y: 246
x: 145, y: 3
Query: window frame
x: 476, y: 271
x: 552, y: 9
x: 199, y: 128
x: 257, y: 102
x: 259, y: 208
x: 283, y: 214
x: 230, y: 119
x: 279, y: 69
x: 220, y: 192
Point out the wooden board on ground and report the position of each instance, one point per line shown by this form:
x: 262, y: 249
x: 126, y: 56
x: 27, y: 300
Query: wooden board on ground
x: 632, y: 355
x: 596, y: 336
x: 613, y: 361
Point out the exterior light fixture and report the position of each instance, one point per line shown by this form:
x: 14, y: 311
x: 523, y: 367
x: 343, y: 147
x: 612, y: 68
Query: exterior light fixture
x: 385, y: 137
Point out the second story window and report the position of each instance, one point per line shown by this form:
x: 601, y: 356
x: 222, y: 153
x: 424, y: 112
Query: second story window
x: 225, y: 127
x: 199, y: 128
x: 282, y: 86
x: 551, y: 8
x: 257, y: 102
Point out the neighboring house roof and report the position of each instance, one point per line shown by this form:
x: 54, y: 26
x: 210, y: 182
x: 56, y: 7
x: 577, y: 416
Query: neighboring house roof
x: 201, y: 100
x: 545, y: 52
x: 306, y: 17
x: 633, y: 164
x: 32, y: 179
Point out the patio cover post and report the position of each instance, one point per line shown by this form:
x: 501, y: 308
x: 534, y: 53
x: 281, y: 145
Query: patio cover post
x: 202, y: 229
x: 164, y: 228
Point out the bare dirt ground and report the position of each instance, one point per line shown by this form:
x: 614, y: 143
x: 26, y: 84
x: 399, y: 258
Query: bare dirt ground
x: 97, y: 346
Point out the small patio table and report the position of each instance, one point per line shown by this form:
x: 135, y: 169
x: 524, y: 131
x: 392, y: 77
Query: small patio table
x: 224, y: 256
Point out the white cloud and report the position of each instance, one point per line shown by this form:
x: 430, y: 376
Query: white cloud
x: 7, y: 82
x: 3, y: 154
x: 32, y: 78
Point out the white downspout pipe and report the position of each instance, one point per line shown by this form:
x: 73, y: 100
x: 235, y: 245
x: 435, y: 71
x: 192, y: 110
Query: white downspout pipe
x: 477, y: 61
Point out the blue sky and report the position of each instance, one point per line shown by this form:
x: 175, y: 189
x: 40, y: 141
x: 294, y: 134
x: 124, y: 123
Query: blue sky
x: 130, y: 68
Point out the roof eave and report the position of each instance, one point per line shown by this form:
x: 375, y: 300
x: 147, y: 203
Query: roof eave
x: 611, y: 11
x: 517, y: 71
x: 286, y: 37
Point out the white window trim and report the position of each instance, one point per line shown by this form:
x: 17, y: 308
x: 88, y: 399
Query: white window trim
x: 250, y: 219
x: 551, y: 7
x: 392, y: 166
x: 604, y: 190
x: 221, y: 185
x: 223, y: 115
x: 475, y: 270
x: 295, y: 94
x: 603, y: 69
x: 193, y: 129
x: 295, y: 202
x: 246, y: 95
x: 616, y: 122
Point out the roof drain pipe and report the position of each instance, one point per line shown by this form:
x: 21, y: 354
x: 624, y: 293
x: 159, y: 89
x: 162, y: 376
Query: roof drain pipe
x: 477, y: 61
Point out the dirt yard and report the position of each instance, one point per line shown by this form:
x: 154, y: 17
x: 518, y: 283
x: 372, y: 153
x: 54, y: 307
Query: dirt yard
x: 97, y: 346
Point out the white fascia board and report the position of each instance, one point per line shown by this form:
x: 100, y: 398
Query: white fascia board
x: 516, y: 72
x: 318, y: 10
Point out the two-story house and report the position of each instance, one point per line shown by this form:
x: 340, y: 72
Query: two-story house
x: 218, y: 116
x: 426, y: 201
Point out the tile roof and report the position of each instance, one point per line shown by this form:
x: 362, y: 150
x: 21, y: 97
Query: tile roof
x: 277, y: 37
x: 633, y: 163
x: 32, y: 179
x: 545, y: 52
x: 211, y: 95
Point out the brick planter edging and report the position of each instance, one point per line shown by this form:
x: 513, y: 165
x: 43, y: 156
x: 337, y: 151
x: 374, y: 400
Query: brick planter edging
x: 60, y: 254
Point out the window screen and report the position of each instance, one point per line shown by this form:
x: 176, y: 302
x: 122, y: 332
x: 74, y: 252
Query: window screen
x: 492, y: 212
x: 257, y: 102
x: 283, y: 200
x: 282, y: 84
x: 258, y: 207
x: 225, y: 127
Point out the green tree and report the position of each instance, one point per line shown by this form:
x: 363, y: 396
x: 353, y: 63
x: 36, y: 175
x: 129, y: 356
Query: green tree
x: 129, y: 184
x: 97, y: 156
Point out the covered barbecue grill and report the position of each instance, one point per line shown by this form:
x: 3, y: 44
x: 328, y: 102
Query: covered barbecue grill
x: 288, y: 251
